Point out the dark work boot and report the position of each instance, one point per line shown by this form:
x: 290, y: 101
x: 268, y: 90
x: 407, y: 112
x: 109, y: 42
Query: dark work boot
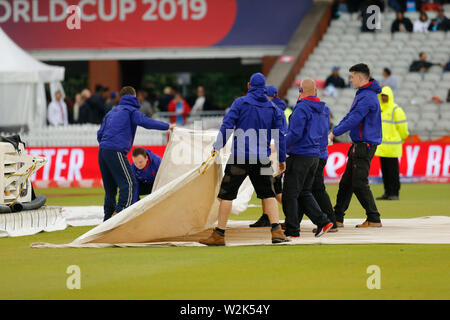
x: 263, y: 221
x: 383, y: 197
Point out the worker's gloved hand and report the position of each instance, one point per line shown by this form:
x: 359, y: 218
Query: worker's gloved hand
x: 172, y: 125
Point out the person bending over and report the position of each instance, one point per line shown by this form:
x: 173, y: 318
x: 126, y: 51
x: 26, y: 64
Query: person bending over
x: 115, y: 137
x: 145, y: 167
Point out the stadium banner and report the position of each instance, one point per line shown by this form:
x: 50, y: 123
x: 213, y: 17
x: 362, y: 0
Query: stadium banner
x: 107, y: 24
x: 78, y: 166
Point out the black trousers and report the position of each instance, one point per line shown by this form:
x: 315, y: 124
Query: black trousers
x: 320, y: 193
x: 391, y: 176
x: 297, y: 194
x: 356, y: 180
x: 145, y: 188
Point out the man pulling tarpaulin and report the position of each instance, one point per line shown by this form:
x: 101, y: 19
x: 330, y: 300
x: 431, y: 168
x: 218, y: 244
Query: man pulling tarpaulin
x: 183, y: 201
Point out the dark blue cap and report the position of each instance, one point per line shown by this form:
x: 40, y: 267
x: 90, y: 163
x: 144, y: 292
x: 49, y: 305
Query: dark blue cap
x: 271, y: 91
x: 258, y: 80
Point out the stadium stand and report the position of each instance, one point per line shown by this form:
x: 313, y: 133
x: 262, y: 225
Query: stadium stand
x: 344, y: 45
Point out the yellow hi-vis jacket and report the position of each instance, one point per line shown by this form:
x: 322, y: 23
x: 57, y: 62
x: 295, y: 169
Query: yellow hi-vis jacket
x: 287, y: 114
x: 394, y: 126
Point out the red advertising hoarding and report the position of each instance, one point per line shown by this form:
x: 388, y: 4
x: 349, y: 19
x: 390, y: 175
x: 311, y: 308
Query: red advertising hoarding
x: 78, y: 166
x: 131, y: 24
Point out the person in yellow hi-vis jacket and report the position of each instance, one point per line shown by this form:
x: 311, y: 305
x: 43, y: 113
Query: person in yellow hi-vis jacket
x: 395, y: 132
x: 287, y: 113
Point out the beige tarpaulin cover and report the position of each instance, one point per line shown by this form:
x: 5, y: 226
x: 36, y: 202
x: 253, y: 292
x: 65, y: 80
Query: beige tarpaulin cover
x: 186, y: 150
x: 183, y: 201
x: 184, y: 198
x: 184, y: 206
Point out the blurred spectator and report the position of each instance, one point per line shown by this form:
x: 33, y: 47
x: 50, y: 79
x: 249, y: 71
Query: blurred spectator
x: 440, y: 23
x: 76, y: 107
x: 397, y: 5
x: 112, y: 101
x: 166, y: 99
x: 433, y: 25
x: 447, y: 67
x: 83, y: 110
x: 69, y: 103
x: 146, y: 107
x: 201, y: 102
x: 422, y: 65
x: 96, y: 105
x: 353, y: 5
x: 179, y: 106
x: 57, y: 111
x: 152, y: 96
x: 339, y: 7
x: 335, y: 79
x: 388, y: 79
x: 422, y: 24
x: 401, y: 24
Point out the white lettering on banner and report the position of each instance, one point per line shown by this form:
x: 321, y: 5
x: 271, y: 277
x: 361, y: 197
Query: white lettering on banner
x: 412, y: 152
x: 96, y: 10
x: 168, y: 9
x: 126, y: 7
x: 7, y: 11
x: 21, y: 8
x: 36, y: 17
x: 184, y: 9
x: 335, y: 161
x: 48, y: 153
x: 434, y: 161
x: 75, y: 164
x: 54, y: 17
x: 84, y: 16
x: 102, y: 12
x: 150, y: 14
x: 200, y: 9
x: 59, y: 164
x: 446, y: 165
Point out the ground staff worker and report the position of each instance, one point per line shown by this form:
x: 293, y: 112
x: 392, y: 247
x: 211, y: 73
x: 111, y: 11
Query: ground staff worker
x: 145, y: 166
x: 272, y: 95
x: 116, y: 136
x: 364, y: 123
x: 395, y: 131
x: 319, y: 189
x: 251, y: 118
x: 303, y: 147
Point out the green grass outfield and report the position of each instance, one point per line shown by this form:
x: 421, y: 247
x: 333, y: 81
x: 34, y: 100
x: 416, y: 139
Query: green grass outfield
x: 258, y: 272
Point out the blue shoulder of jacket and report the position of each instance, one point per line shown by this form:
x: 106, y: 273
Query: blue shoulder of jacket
x: 238, y: 102
x: 301, y: 107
